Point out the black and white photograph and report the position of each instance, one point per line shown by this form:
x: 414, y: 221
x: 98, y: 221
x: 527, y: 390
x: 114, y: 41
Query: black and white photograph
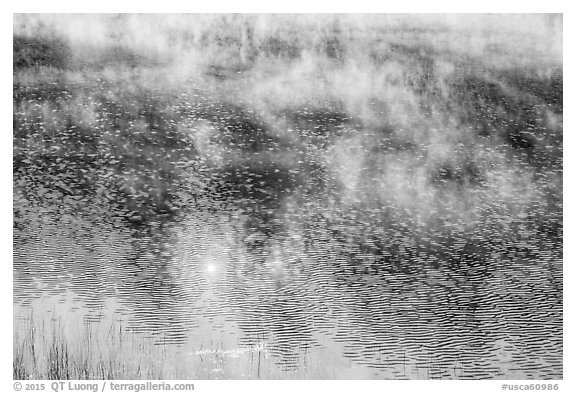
x: 273, y: 196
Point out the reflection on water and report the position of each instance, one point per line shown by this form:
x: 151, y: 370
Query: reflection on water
x: 408, y: 225
x: 203, y: 280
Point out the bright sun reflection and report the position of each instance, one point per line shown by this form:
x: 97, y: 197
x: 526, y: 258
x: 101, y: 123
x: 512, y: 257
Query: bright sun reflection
x: 211, y: 268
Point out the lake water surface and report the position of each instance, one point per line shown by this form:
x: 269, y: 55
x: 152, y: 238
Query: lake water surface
x: 355, y: 201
